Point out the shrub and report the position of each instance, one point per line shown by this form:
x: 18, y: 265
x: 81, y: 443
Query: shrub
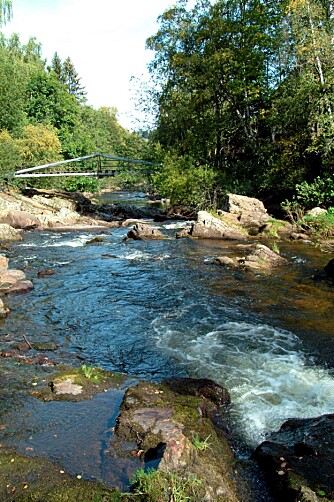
x: 318, y: 193
x: 185, y: 183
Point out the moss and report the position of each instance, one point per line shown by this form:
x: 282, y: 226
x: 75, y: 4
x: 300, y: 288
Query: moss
x: 35, y: 479
x: 92, y: 383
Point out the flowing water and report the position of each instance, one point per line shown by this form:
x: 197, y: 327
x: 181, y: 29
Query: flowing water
x: 161, y: 308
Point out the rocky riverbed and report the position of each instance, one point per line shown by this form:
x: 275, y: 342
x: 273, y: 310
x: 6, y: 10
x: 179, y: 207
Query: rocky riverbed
x: 181, y: 425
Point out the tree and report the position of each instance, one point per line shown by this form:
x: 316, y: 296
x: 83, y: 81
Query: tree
x: 13, y: 80
x: 5, y: 11
x: 71, y: 79
x: 10, y: 156
x: 39, y: 144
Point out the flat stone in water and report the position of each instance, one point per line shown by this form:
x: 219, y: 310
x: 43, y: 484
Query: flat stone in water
x: 68, y: 387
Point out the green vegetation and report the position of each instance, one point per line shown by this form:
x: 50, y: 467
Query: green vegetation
x: 243, y: 94
x: 201, y: 444
x: 91, y: 373
x: 165, y: 486
x: 44, y: 116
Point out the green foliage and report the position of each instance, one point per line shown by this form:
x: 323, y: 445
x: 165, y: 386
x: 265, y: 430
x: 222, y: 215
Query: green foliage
x: 10, y: 155
x: 91, y: 373
x: 165, y: 486
x: 246, y: 87
x: 321, y: 226
x: 81, y: 184
x: 318, y: 193
x: 185, y: 183
x: 39, y: 144
x: 201, y: 444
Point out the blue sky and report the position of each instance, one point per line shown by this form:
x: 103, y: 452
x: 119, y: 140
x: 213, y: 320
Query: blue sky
x: 105, y: 40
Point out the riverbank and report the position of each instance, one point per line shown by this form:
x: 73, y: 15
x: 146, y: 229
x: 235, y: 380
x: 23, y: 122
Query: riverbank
x: 111, y: 255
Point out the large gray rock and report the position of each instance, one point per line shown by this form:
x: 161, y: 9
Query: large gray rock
x: 208, y: 226
x: 9, y: 234
x: 247, y: 209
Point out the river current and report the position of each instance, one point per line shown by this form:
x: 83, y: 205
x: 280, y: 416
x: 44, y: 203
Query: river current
x: 161, y: 308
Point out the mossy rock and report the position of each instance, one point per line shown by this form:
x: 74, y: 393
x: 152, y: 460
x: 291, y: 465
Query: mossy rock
x: 35, y: 479
x: 78, y: 384
x: 157, y: 415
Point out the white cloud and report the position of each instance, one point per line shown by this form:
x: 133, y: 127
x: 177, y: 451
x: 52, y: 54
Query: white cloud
x: 105, y: 40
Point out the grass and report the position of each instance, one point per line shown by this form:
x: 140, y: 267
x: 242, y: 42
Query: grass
x: 199, y: 444
x: 165, y: 486
x: 91, y: 373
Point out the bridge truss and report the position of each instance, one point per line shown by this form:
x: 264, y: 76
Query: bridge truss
x: 99, y: 165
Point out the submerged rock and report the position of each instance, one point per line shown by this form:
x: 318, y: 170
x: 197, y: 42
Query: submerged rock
x: 298, y: 459
x: 327, y: 274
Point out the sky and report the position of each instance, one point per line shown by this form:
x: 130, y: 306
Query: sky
x: 105, y: 40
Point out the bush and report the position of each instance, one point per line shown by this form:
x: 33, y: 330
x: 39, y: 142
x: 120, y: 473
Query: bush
x: 318, y: 193
x: 185, y: 183
x: 81, y: 184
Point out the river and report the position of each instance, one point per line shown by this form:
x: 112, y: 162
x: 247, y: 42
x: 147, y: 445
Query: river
x: 161, y: 308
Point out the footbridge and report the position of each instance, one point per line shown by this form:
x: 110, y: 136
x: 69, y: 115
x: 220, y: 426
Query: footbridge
x: 98, y: 165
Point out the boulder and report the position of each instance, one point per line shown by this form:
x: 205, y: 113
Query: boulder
x: 14, y: 281
x: 19, y: 219
x: 46, y: 272
x: 141, y: 231
x: 329, y: 269
x: 327, y: 274
x: 316, y: 211
x: 247, y: 209
x: 165, y: 421
x: 9, y: 234
x: 259, y: 258
x: 298, y: 459
x: 211, y: 227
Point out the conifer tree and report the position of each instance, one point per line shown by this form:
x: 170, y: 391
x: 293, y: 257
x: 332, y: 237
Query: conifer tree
x: 72, y: 80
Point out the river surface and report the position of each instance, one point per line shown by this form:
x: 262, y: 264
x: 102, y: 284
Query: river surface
x: 161, y: 308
